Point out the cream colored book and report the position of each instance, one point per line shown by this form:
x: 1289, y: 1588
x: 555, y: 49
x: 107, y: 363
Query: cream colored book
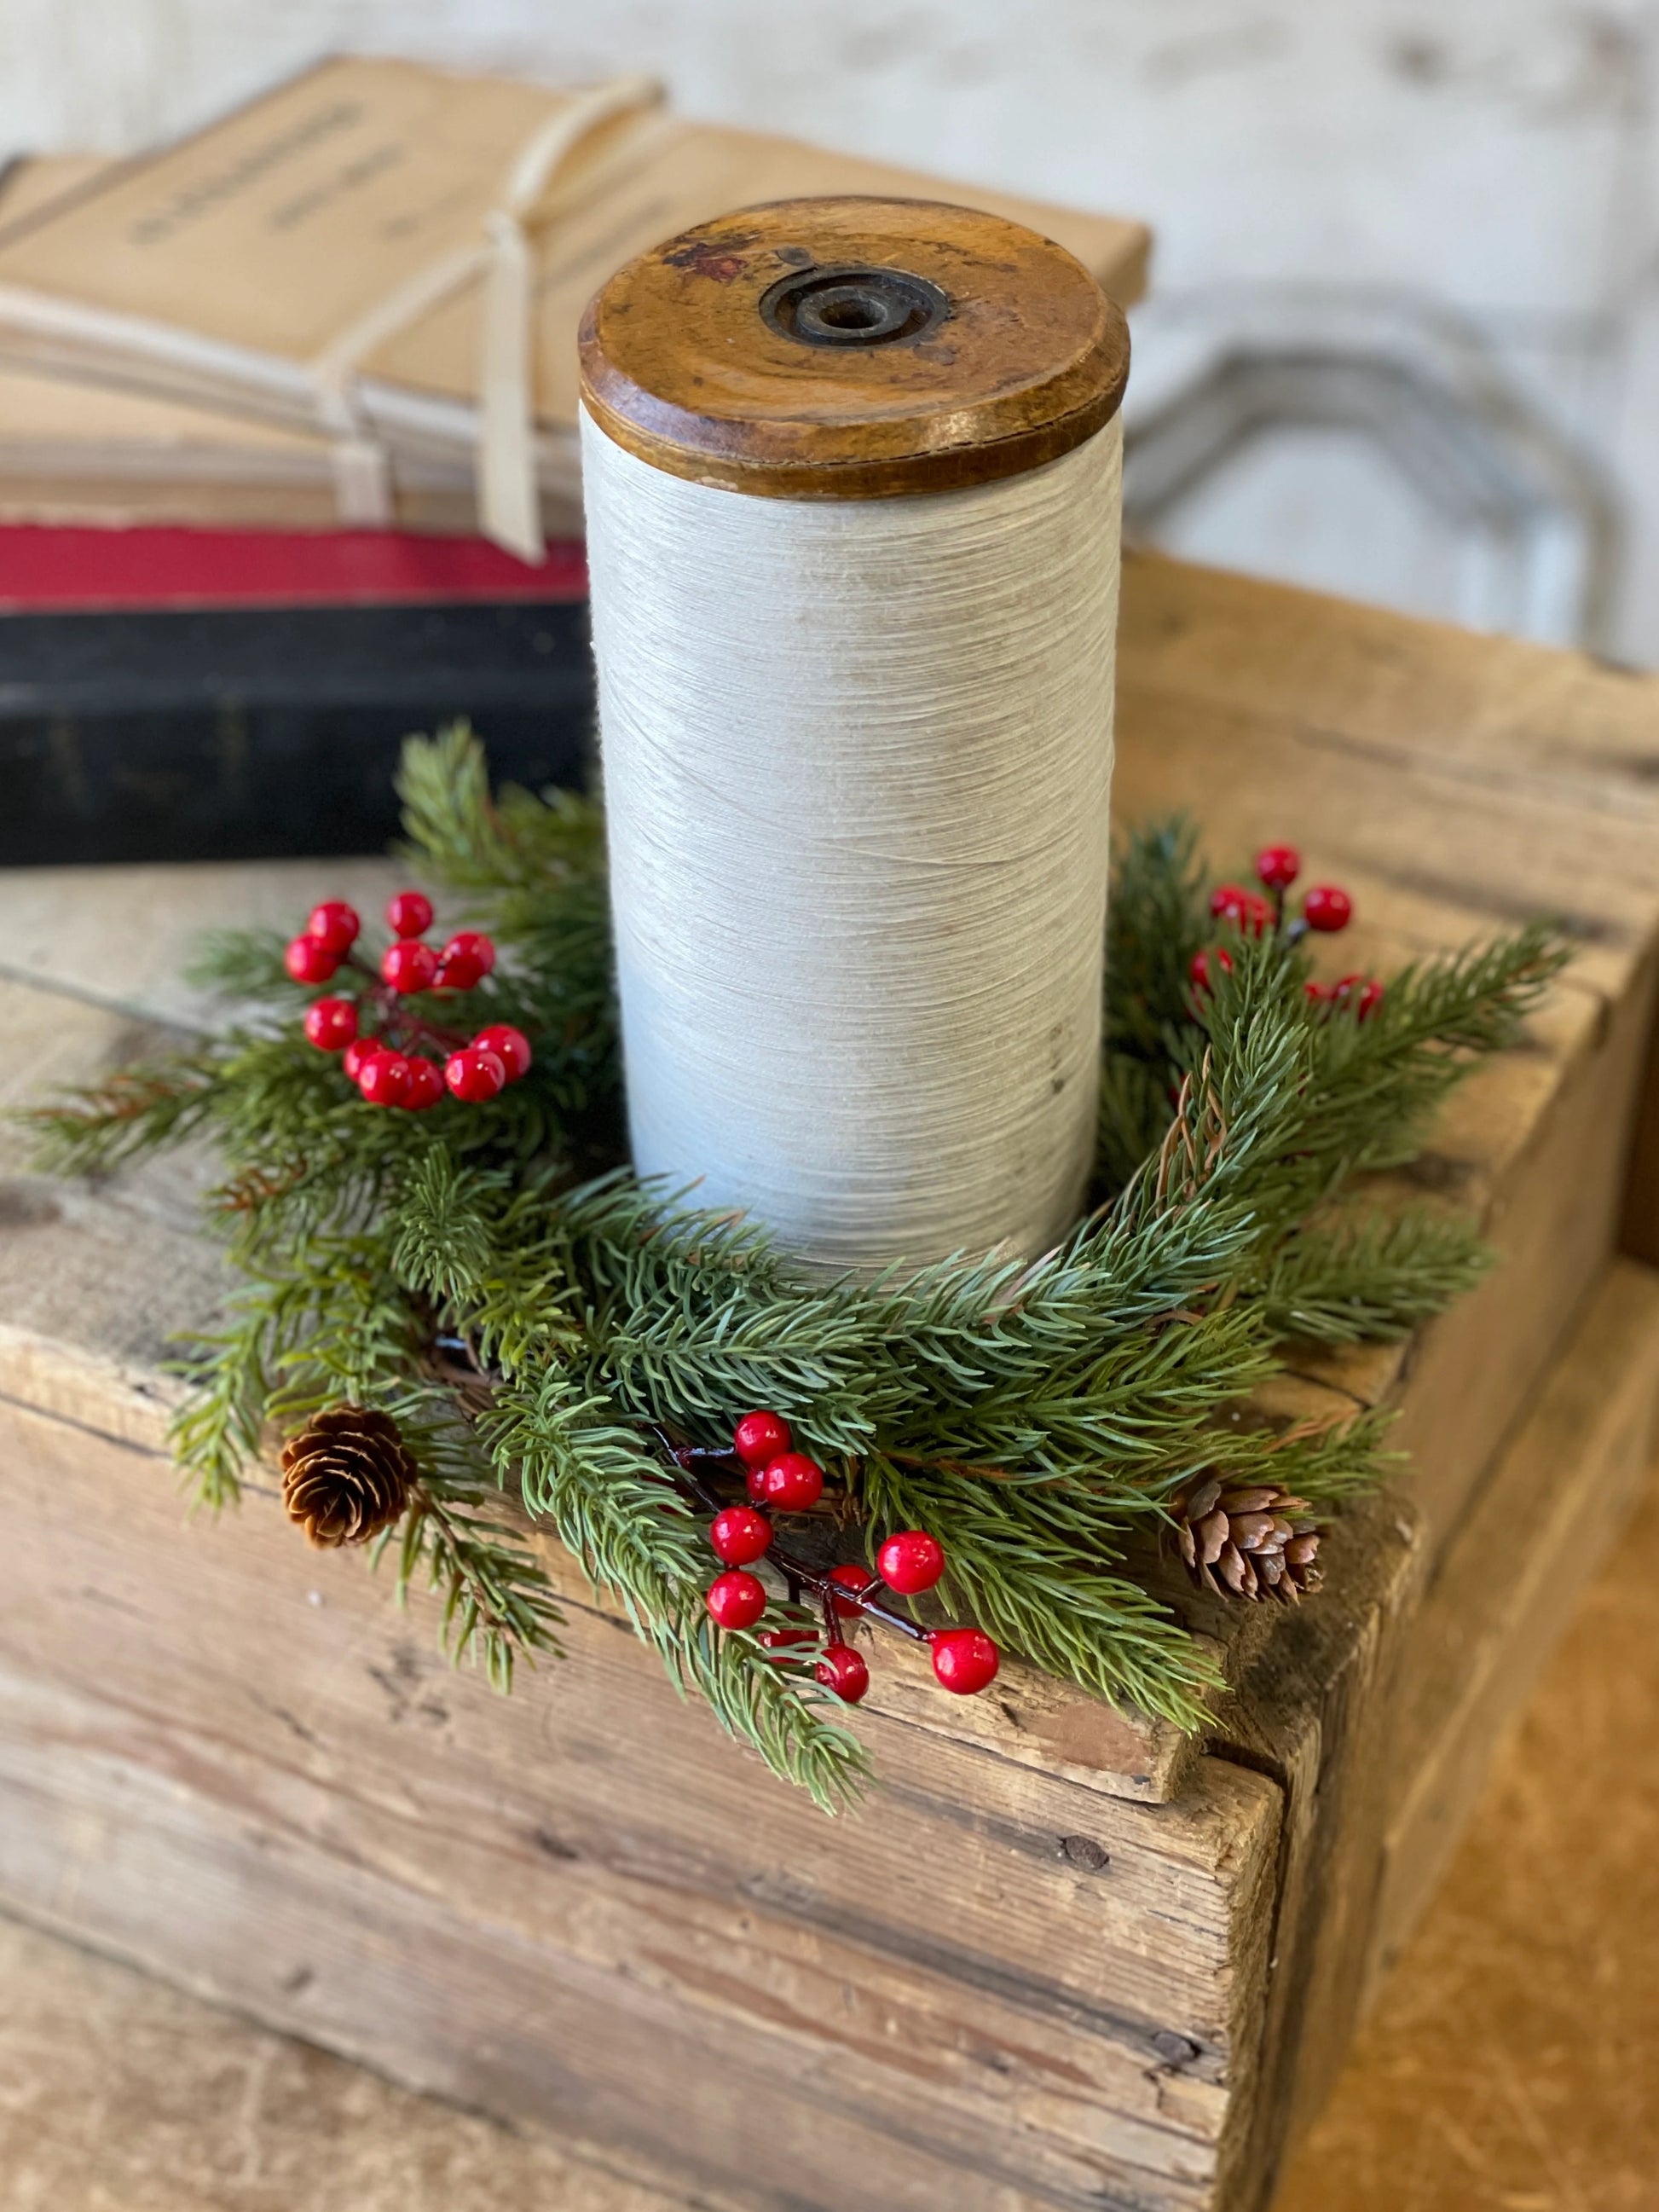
x: 73, y: 453
x: 387, y: 262
x: 78, y: 452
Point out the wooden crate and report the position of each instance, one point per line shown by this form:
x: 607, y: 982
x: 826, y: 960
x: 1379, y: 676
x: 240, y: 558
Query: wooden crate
x: 1064, y: 1958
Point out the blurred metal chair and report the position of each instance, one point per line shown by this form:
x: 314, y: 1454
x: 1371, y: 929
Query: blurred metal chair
x: 1233, y: 377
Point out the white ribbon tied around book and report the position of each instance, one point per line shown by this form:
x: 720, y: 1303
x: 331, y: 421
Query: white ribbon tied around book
x: 329, y: 386
x: 509, y: 501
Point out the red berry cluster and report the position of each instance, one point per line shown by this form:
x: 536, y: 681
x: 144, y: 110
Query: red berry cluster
x: 1325, y: 908
x: 383, y: 1053
x: 780, y: 1479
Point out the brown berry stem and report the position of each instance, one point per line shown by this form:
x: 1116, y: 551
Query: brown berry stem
x: 394, y: 1019
x: 796, y: 1571
x: 447, y: 1040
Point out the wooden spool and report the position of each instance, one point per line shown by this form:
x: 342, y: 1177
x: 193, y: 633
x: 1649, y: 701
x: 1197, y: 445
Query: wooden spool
x: 847, y: 363
x: 853, y: 348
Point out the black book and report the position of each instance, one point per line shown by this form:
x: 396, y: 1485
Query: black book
x: 249, y: 731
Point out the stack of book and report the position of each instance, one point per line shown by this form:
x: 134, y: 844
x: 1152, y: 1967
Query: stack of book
x: 343, y: 316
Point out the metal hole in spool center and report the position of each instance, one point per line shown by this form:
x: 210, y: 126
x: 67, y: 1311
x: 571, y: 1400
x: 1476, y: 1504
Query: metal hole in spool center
x: 853, y: 307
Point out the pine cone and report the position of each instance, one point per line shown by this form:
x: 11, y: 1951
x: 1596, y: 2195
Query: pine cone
x: 1251, y: 1540
x: 347, y: 1476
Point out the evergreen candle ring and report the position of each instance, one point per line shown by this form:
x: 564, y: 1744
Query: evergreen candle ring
x: 987, y: 1430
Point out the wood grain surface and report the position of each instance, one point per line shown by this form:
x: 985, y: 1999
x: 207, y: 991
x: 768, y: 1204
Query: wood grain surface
x: 1500, y: 2072
x: 1059, y: 1961
x: 681, y: 365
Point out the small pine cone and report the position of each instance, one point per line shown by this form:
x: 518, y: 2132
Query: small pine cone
x: 1251, y: 1540
x: 347, y: 1476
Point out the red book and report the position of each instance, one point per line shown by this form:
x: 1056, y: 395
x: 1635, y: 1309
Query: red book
x: 46, y: 570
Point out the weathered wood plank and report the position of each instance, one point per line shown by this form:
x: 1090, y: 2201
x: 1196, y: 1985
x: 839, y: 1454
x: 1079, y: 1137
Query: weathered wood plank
x: 121, y: 938
x: 332, y: 1762
x: 1038, y: 1722
x: 1378, y: 1713
x: 865, y: 2102
x: 447, y: 2002
x: 1367, y: 684
x: 1309, y: 1712
x: 1059, y: 1970
x: 347, y: 1660
x: 1553, y: 1216
x: 1497, y: 1596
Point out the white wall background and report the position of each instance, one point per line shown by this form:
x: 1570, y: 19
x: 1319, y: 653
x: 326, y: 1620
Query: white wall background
x: 1497, y: 155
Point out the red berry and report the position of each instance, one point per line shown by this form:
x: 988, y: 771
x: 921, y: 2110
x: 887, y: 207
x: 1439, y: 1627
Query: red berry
x: 736, y: 1600
x: 334, y: 925
x: 1257, y: 919
x: 383, y: 1078
x: 308, y: 960
x: 842, y: 1670
x: 1327, y: 909
x: 1363, y: 992
x: 740, y: 1535
x: 964, y: 1659
x: 332, y: 1023
x: 510, y: 1046
x: 359, y: 1052
x: 1278, y: 865
x: 791, y: 1482
x: 759, y: 1437
x: 407, y: 912
x: 467, y: 959
x: 858, y: 1582
x: 461, y: 974
x: 408, y: 966
x: 1246, y: 910
x: 1199, y: 969
x: 910, y: 1562
x: 1320, y: 994
x: 474, y: 1076
x: 426, y: 1083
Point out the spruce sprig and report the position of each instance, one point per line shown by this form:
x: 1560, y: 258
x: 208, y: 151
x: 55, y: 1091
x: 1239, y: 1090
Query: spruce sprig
x: 536, y: 1320
x: 1373, y: 1278
x: 496, y: 1605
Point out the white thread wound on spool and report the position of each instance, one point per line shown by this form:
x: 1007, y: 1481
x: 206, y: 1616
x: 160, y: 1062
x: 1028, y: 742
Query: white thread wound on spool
x: 857, y: 759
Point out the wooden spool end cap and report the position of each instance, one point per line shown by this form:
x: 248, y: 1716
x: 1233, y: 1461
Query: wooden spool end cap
x: 852, y: 348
